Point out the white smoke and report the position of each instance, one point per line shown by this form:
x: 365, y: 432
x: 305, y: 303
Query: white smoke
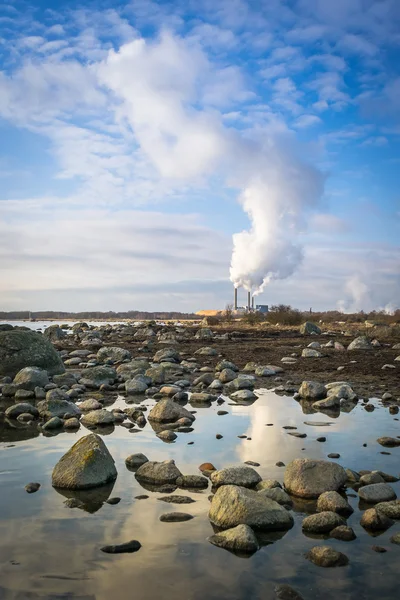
x: 159, y: 87
x: 356, y: 295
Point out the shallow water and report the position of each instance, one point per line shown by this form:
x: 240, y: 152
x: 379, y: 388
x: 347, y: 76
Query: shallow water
x: 50, y: 551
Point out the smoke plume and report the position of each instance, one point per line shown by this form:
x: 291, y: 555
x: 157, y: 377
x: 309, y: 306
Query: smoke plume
x: 159, y: 87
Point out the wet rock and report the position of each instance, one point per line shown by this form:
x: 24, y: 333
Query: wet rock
x: 175, y: 517
x: 309, y: 328
x: 90, y: 404
x: 379, y: 549
x: 166, y: 411
x: 343, y: 533
x: 322, y: 522
x: 16, y: 410
x: 310, y: 478
x: 395, y: 539
x: 227, y: 375
x: 374, y: 520
x: 94, y: 377
x: 134, y: 387
x: 72, y: 423
x: 96, y: 418
x: 134, y: 461
x: 87, y: 464
x: 31, y: 377
x: 202, y: 397
x: 388, y: 442
x: 268, y: 484
x: 332, y: 501
x: 177, y: 499
x: 324, y: 556
x: 333, y: 455
x: 329, y: 402
x: 232, y: 505
x: 31, y: 488
x: 360, y: 343
x: 74, y: 503
x: 297, y: 434
x: 277, y: 494
x: 113, y: 501
x: 167, y: 436
x: 243, y: 395
x: 53, y: 423
x: 239, y: 539
x: 158, y: 472
x: 20, y: 349
x: 370, y: 478
x: 157, y: 374
x: 352, y: 476
x: 240, y: 476
x: 132, y: 546
x: 192, y: 481
x: 286, y: 592
x: 390, y: 509
x: 377, y: 492
x: 312, y: 390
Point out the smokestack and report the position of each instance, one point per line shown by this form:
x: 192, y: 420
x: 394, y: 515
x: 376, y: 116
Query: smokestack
x: 248, y: 300
x: 252, y: 303
x: 235, y: 302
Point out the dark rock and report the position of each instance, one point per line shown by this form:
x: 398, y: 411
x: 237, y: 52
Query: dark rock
x: 19, y: 349
x: 175, y: 517
x: 286, y: 592
x: 132, y: 546
x: 32, y: 487
x: 177, y: 499
x: 324, y: 556
x: 343, y: 533
x: 239, y: 539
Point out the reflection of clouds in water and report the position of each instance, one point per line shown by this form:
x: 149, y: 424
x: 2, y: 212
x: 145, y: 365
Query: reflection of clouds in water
x: 50, y: 540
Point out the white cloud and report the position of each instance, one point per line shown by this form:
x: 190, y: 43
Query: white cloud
x: 307, y: 121
x: 358, y: 45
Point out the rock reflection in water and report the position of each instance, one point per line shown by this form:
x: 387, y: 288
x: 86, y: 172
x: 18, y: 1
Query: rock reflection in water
x: 89, y: 500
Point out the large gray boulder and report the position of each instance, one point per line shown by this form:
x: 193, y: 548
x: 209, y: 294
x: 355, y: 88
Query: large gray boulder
x: 19, y: 349
x: 309, y: 328
x: 167, y: 411
x: 113, y: 353
x: 241, y: 476
x: 158, y: 472
x: 360, y: 343
x: 309, y: 478
x: 332, y: 501
x: 233, y: 505
x: 94, y: 377
x: 30, y: 377
x: 238, y: 539
x: 87, y: 464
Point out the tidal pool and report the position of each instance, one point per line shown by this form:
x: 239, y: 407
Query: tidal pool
x: 50, y: 551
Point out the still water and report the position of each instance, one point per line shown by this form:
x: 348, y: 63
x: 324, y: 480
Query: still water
x: 50, y: 551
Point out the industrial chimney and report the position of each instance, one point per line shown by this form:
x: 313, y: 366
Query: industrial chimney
x: 248, y: 300
x: 235, y: 304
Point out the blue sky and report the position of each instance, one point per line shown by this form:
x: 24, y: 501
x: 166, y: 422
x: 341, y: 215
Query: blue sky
x: 136, y: 138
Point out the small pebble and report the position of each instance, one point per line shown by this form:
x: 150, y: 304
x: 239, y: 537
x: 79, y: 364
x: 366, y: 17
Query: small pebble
x: 379, y: 549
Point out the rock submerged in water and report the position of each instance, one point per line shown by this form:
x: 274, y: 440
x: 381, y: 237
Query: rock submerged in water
x: 309, y: 478
x: 374, y: 520
x: 175, y: 517
x: 239, y: 539
x: 233, y: 505
x: 324, y: 556
x: 158, y: 472
x: 132, y: 546
x: 322, y: 522
x: 168, y: 411
x: 283, y: 591
x: 134, y: 461
x: 377, y: 492
x: 19, y: 349
x: 87, y: 464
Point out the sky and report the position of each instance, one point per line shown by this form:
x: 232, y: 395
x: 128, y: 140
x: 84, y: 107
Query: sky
x: 154, y: 153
